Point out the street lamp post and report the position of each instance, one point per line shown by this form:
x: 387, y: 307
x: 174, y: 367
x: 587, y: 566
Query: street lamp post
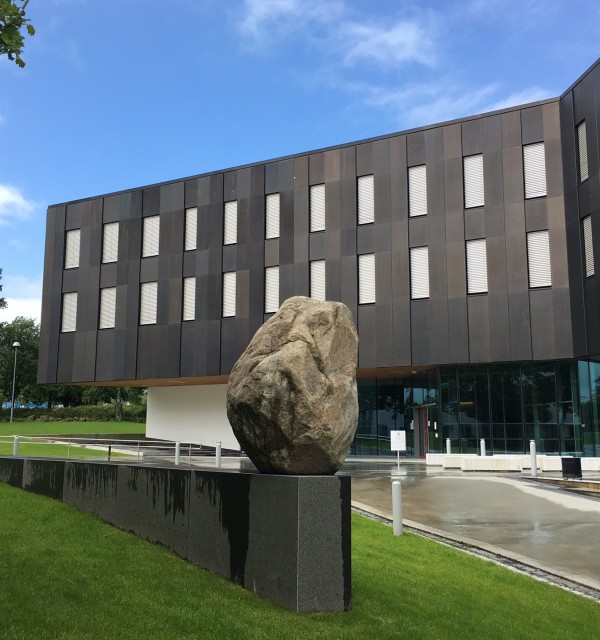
x: 16, y: 345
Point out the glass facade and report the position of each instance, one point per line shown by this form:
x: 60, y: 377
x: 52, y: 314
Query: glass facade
x: 557, y: 404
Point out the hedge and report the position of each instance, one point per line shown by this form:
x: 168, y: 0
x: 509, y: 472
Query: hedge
x: 84, y: 413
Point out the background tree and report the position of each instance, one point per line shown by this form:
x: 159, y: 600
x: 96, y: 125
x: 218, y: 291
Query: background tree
x: 12, y: 20
x: 3, y: 304
x: 27, y: 332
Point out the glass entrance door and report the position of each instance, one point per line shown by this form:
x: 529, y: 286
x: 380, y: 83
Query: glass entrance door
x: 421, y: 432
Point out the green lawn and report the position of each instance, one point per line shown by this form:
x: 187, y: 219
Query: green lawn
x: 71, y: 428
x: 37, y: 450
x: 64, y: 574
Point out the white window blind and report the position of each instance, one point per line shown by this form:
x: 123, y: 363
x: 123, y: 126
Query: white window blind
x: 272, y: 216
x: 150, y: 240
x: 229, y: 294
x: 72, y: 248
x: 317, y: 207
x: 317, y: 280
x: 534, y: 164
x: 230, y: 223
x: 583, y: 151
x: 148, y: 301
x: 110, y: 242
x: 191, y: 229
x: 271, y: 289
x: 419, y: 273
x: 417, y: 191
x: 473, y: 178
x: 189, y: 299
x: 69, y: 312
x: 538, y: 255
x: 108, y: 302
x: 477, y: 281
x: 588, y: 246
x: 366, y: 278
x: 366, y: 200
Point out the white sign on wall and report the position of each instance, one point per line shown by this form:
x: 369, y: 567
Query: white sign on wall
x: 398, y: 440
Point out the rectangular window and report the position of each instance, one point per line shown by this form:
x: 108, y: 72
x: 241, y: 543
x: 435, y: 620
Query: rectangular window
x: 417, y: 191
x: 110, y: 242
x: 272, y: 216
x: 189, y: 299
x: 366, y: 200
x: 229, y: 294
x: 538, y: 256
x: 534, y: 164
x: 366, y: 278
x: 148, y: 302
x: 582, y: 151
x: 477, y: 281
x: 69, y: 312
x: 317, y: 208
x: 419, y: 273
x: 108, y: 302
x: 150, y: 236
x: 191, y: 229
x: 473, y: 179
x: 72, y: 248
x: 271, y: 289
x: 588, y: 246
x: 230, y: 223
x: 317, y: 280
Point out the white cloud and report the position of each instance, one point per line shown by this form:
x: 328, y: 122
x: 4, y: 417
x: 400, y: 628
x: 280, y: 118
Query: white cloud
x: 23, y: 296
x: 404, y: 41
x: 26, y: 307
x: 532, y: 94
x: 13, y: 205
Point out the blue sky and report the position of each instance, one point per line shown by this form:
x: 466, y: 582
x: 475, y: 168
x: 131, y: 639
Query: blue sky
x: 123, y: 93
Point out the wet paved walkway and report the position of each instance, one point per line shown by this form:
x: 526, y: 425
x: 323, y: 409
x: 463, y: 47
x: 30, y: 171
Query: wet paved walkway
x: 555, y: 528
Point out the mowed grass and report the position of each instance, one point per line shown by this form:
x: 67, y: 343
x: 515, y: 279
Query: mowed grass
x: 47, y: 450
x: 65, y: 574
x: 36, y: 428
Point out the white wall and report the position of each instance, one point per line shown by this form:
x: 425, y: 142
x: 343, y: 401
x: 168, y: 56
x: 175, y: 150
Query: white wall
x: 194, y: 413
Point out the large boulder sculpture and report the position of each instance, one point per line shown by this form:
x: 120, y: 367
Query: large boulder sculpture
x: 292, y: 399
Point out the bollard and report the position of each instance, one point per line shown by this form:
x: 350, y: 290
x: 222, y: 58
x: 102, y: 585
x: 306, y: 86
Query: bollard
x: 218, y: 455
x: 482, y: 444
x: 16, y: 446
x: 190, y: 455
x: 533, y: 458
x: 177, y: 453
x: 138, y: 452
x: 69, y: 450
x: 109, y: 450
x: 397, y: 507
x: 448, y: 446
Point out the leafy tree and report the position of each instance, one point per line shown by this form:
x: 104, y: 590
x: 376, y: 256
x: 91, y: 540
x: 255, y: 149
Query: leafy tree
x: 27, y: 332
x: 3, y: 304
x: 12, y: 20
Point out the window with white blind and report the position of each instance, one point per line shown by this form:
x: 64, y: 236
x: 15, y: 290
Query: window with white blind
x: 317, y: 207
x: 72, y: 242
x: 582, y: 151
x: 477, y: 281
x: 189, y: 299
x: 229, y: 279
x: 271, y: 289
x: 148, y: 302
x: 588, y: 246
x: 110, y: 242
x: 230, y: 222
x: 317, y: 280
x: 191, y: 229
x: 534, y: 165
x: 419, y: 273
x: 366, y: 278
x: 69, y: 312
x: 473, y: 181
x: 366, y: 200
x: 108, y: 302
x: 150, y: 236
x: 272, y: 216
x: 538, y: 257
x: 417, y: 191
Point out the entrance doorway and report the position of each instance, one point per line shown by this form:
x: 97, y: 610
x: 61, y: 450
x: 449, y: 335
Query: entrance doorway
x: 421, y: 423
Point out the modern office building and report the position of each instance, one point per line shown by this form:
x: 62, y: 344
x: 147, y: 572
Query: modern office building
x: 465, y: 250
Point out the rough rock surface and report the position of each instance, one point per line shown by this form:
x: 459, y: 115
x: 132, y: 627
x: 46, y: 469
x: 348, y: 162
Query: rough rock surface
x: 291, y: 398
